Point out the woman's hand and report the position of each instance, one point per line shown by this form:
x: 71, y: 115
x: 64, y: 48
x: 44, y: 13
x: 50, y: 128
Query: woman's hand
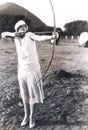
x: 55, y: 35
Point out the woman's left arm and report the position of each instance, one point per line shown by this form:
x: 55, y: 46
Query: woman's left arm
x: 43, y: 37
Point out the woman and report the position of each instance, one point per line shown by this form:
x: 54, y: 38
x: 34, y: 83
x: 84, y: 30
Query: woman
x: 29, y: 72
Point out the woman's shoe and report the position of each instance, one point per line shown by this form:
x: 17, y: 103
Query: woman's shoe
x: 24, y: 123
x: 32, y: 125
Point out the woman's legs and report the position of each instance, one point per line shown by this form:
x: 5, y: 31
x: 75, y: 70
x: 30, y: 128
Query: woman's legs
x: 26, y: 114
x: 32, y: 117
x: 27, y: 94
x: 25, y: 97
x: 29, y: 112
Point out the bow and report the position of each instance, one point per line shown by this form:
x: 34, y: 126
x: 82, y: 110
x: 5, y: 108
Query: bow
x: 54, y: 43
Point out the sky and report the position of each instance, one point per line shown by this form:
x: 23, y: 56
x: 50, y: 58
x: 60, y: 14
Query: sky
x: 65, y: 10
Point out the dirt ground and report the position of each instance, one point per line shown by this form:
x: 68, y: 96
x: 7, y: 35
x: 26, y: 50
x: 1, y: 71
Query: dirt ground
x: 65, y: 87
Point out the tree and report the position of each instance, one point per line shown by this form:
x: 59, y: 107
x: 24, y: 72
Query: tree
x: 76, y: 27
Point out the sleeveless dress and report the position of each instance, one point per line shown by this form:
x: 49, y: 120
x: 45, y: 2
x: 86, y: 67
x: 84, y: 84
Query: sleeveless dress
x: 29, y: 71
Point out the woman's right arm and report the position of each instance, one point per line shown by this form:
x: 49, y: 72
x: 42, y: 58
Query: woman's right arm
x: 7, y: 35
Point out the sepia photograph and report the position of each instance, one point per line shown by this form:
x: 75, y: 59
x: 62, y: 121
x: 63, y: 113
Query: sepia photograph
x: 43, y: 65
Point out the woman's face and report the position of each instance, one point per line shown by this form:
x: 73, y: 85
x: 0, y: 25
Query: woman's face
x: 22, y: 29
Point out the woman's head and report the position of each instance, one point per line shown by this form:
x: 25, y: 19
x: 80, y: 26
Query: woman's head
x: 21, y: 26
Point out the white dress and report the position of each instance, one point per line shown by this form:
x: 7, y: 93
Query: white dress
x: 29, y: 73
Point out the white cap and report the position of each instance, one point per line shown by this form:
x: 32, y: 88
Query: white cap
x: 18, y: 24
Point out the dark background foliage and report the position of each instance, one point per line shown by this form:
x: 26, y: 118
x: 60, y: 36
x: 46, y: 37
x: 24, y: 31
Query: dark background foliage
x: 76, y: 27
